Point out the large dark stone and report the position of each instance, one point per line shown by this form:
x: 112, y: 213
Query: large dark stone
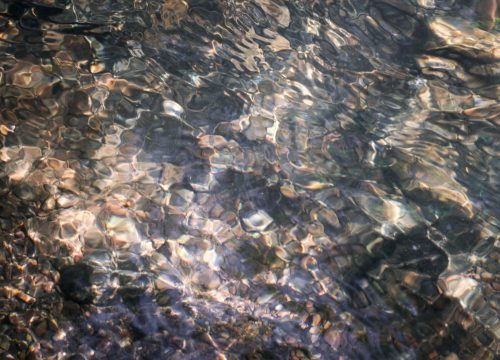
x: 75, y: 283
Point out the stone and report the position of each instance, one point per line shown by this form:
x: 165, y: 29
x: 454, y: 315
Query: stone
x: 75, y: 283
x: 257, y: 220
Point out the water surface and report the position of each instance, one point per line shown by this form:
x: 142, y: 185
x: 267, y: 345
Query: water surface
x: 249, y: 179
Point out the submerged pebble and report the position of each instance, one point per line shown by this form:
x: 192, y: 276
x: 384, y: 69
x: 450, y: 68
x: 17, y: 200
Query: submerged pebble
x: 257, y: 220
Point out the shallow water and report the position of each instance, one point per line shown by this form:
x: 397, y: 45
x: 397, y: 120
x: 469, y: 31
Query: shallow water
x: 255, y: 179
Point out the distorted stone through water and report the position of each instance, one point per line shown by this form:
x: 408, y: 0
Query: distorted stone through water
x: 249, y: 179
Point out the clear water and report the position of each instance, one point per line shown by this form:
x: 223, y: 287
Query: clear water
x: 249, y: 179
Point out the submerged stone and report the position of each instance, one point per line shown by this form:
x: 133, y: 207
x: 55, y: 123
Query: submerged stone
x: 257, y: 220
x: 75, y: 283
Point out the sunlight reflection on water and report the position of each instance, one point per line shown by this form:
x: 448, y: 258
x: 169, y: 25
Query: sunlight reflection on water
x: 249, y: 179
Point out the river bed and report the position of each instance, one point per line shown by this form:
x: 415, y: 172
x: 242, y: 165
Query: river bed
x: 249, y: 179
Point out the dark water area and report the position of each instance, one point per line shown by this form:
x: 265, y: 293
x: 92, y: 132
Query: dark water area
x: 249, y: 179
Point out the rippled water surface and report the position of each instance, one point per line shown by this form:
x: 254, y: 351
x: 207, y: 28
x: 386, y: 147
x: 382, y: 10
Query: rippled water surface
x: 249, y: 179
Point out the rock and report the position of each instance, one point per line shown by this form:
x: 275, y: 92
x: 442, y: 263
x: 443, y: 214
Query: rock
x: 67, y: 201
x: 122, y: 231
x: 463, y: 38
x: 257, y: 220
x: 5, y: 342
x: 459, y: 287
x: 206, y: 279
x: 41, y: 328
x: 278, y: 11
x: 333, y: 338
x: 486, y: 11
x: 173, y: 109
x: 75, y: 283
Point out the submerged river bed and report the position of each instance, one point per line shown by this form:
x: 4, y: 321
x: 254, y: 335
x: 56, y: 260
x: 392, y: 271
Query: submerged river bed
x: 249, y: 179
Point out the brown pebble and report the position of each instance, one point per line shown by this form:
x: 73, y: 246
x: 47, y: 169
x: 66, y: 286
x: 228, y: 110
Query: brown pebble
x: 433, y: 355
x: 25, y: 297
x: 333, y: 338
x: 5, y: 130
x: 10, y: 292
x: 316, y: 319
x: 487, y: 276
x: 41, y: 328
x: 46, y: 345
x: 60, y: 335
x: 53, y: 325
x: 34, y: 352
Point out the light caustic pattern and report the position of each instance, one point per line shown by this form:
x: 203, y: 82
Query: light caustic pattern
x: 256, y: 179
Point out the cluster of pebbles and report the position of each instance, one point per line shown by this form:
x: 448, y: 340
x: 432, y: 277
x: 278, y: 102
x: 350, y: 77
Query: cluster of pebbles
x: 261, y: 179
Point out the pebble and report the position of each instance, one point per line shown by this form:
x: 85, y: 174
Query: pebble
x: 41, y: 328
x: 316, y: 319
x: 67, y: 201
x: 487, y: 276
x: 257, y: 220
x: 207, y: 279
x: 333, y: 338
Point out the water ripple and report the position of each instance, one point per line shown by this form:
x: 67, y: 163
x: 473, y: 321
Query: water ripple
x: 256, y: 179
